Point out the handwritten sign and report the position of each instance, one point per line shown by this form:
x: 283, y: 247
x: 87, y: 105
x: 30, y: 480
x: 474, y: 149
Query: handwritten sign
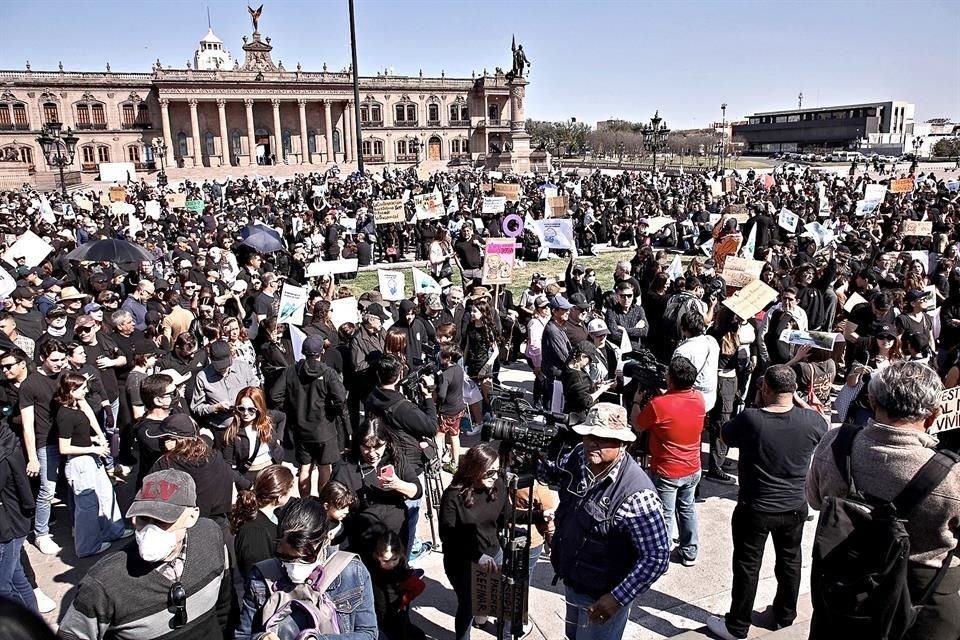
x: 903, y: 185
x: 739, y: 272
x: 949, y: 417
x: 388, y: 212
x: 494, y: 204
x: 176, y: 200
x: 509, y: 191
x: 917, y: 228
x: 739, y: 211
x: 498, y: 263
x: 429, y: 205
x: 485, y: 594
x: 194, y: 205
x: 83, y: 202
x: 751, y: 299
x: 729, y: 184
x: 557, y: 207
x: 118, y: 194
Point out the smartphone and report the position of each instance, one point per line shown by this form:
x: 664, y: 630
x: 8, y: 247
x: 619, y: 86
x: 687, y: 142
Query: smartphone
x: 386, y: 473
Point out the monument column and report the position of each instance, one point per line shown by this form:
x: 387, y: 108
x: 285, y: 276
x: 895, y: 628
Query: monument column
x: 167, y: 138
x: 277, y: 132
x: 328, y: 129
x: 304, y: 142
x: 251, y: 137
x: 195, y: 129
x: 224, y: 134
x: 347, y: 135
x: 519, y: 156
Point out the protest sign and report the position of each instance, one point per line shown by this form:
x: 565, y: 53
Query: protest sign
x: 549, y: 192
x: 509, y: 191
x: 788, y: 220
x: 176, y: 200
x: 151, y: 209
x: 346, y: 265
x: 916, y: 228
x: 293, y: 304
x: 751, y: 299
x: 118, y: 194
x: 7, y: 283
x: 820, y: 234
x: 854, y: 299
x: 739, y: 272
x: 740, y: 212
x: 556, y: 207
x: 105, y: 198
x: 750, y: 246
x: 953, y: 185
x: 817, y: 339
x: 555, y: 233
x: 485, y: 591
x: 494, y: 204
x: 194, y: 205
x: 319, y: 190
x: 657, y: 223
x: 767, y: 181
x: 121, y: 208
x: 349, y: 224
x: 495, y: 175
x: 903, y: 185
x: 707, y: 247
x: 344, y: 310
x: 30, y: 246
x: 117, y: 171
x: 429, y: 206
x: 949, y: 417
x: 875, y: 192
x: 83, y: 202
x: 297, y: 338
x: 729, y: 184
x: 388, y: 212
x: 423, y: 282
x: 716, y: 189
x: 867, y: 207
x: 393, y: 284
x: 498, y: 263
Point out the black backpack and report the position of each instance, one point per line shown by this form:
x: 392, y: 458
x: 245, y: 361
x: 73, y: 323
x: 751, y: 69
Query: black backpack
x: 677, y: 306
x: 861, y: 553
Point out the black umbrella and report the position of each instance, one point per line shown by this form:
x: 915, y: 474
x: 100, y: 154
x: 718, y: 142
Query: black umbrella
x: 262, y: 238
x: 118, y: 251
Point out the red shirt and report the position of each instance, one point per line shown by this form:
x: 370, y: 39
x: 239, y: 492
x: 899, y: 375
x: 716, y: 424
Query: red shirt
x: 675, y: 423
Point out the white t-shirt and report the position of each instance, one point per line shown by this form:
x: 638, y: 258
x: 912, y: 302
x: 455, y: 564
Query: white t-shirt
x: 704, y: 353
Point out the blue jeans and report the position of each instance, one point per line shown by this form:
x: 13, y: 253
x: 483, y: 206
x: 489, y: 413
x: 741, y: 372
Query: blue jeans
x: 413, y: 515
x: 13, y: 581
x: 578, y: 626
x: 677, y: 496
x: 96, y: 516
x: 49, y: 458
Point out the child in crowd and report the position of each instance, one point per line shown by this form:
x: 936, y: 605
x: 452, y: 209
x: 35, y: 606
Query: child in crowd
x: 450, y: 405
x: 395, y: 586
x: 337, y: 499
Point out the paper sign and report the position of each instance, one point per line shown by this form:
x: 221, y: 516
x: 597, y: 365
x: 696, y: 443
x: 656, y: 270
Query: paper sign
x: 788, y: 220
x: 916, y: 228
x: 739, y: 272
x: 509, y: 191
x: 707, y: 247
x: 429, y: 205
x: 293, y: 304
x: 549, y: 192
x: 817, y: 339
x: 485, y: 593
x: 555, y: 233
x: 118, y: 194
x: 867, y: 207
x: 297, y: 338
x: 7, y: 283
x: 716, y: 189
x: 423, y: 282
x: 388, y: 212
x: 903, y: 185
x: 767, y: 181
x: 556, y: 207
x: 495, y: 175
x: 30, y: 246
x: 121, y: 208
x: 676, y: 268
x: 176, y: 200
x: 152, y: 209
x: 852, y: 301
x: 344, y: 310
x: 751, y: 299
x: 346, y: 265
x: 83, y: 202
x: 949, y: 417
x: 875, y: 192
x: 393, y: 284
x: 659, y: 222
x: 194, y: 205
x: 494, y: 204
x: 105, y: 198
x: 498, y: 263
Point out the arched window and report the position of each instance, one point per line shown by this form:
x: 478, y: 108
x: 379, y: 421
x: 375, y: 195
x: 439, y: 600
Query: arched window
x: 26, y: 155
x: 405, y: 113
x: 83, y: 116
x: 98, y: 116
x: 235, y: 142
x: 464, y: 113
x: 89, y: 155
x: 103, y: 154
x: 182, y: 149
x: 133, y: 154
x: 433, y: 113
x: 401, y: 148
x: 286, y: 139
x: 20, y: 120
x: 143, y: 115
x: 209, y: 144
x: 459, y: 147
x: 50, y: 112
x: 311, y: 141
x: 371, y: 112
x: 459, y: 112
x: 454, y: 113
x: 372, y: 150
x: 129, y: 115
x: 336, y: 141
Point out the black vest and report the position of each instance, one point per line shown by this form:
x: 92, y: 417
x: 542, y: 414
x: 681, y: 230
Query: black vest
x: 588, y: 553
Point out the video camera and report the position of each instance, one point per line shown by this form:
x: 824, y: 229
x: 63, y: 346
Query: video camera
x: 426, y: 365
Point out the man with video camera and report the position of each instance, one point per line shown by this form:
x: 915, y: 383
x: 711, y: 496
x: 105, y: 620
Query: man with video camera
x: 415, y: 426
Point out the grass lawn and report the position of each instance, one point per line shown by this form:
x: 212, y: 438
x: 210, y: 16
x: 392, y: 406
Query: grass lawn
x: 553, y: 268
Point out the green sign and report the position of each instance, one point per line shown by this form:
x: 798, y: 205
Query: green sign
x: 195, y: 205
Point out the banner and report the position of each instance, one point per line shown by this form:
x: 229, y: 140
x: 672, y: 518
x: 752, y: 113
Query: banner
x: 556, y: 207
x: 293, y: 304
x: 429, y: 206
x: 751, y: 299
x: 423, y: 282
x: 393, y: 284
x: 816, y: 339
x: 509, y: 191
x: 30, y: 246
x: 388, y: 212
x: 498, y: 263
x: 903, y: 185
x: 555, y: 233
x: 916, y: 228
x: 176, y: 200
x: 739, y: 272
x: 194, y: 205
x: 788, y: 220
x: 345, y: 265
x: 494, y: 204
x: 344, y: 310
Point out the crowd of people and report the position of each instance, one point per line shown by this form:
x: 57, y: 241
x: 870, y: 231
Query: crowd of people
x: 239, y: 476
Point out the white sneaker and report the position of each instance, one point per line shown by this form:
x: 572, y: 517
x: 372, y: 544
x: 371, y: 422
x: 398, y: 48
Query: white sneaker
x: 103, y: 547
x: 47, y: 546
x: 126, y: 534
x: 44, y: 602
x: 718, y: 627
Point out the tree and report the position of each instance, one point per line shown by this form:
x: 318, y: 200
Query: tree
x: 947, y: 147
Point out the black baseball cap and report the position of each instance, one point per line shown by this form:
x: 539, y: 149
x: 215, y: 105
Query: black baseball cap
x: 221, y: 357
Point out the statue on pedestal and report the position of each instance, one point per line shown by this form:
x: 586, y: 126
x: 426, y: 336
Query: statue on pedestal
x: 519, y: 60
x: 255, y: 17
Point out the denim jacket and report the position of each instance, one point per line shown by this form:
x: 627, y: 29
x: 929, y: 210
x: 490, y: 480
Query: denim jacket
x: 351, y: 593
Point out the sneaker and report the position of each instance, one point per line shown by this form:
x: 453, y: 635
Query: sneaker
x: 103, y: 547
x: 677, y: 557
x: 450, y: 468
x: 126, y: 534
x: 44, y: 602
x: 418, y: 552
x: 47, y: 546
x: 718, y: 627
x: 688, y: 562
x: 721, y: 477
x: 479, y: 621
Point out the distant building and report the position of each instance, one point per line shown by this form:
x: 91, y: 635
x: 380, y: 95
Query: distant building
x: 927, y: 134
x: 878, y: 127
x: 211, y: 54
x: 614, y: 124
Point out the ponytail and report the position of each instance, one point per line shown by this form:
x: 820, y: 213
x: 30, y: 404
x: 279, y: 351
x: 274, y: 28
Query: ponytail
x: 244, y: 510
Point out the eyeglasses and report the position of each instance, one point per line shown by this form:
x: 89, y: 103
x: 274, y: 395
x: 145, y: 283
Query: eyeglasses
x: 246, y: 410
x: 84, y: 329
x: 490, y: 473
x: 9, y: 365
x: 177, y: 598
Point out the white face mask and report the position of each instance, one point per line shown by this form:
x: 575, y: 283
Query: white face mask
x: 155, y: 543
x: 298, y: 572
x: 591, y: 279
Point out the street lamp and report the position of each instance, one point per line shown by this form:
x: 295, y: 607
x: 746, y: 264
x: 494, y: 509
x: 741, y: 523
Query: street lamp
x: 159, y: 146
x: 723, y: 136
x: 59, y: 149
x: 655, y: 136
x: 414, y: 147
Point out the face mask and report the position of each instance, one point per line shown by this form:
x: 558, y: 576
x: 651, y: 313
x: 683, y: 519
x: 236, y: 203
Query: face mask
x: 591, y: 279
x: 155, y: 543
x: 298, y: 572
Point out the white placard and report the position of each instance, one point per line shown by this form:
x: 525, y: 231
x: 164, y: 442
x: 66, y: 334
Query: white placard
x: 494, y: 204
x: 424, y: 283
x: 117, y: 171
x: 7, y: 283
x: 293, y: 304
x: 151, y: 209
x: 788, y: 220
x: 345, y: 265
x: 393, y: 284
x: 555, y: 233
x: 31, y: 246
x: 344, y: 310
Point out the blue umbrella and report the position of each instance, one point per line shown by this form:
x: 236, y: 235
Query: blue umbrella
x: 262, y: 238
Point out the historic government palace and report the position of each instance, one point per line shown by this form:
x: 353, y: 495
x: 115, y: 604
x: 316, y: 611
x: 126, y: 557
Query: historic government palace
x: 220, y: 111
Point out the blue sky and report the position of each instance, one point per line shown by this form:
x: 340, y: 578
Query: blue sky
x: 590, y: 60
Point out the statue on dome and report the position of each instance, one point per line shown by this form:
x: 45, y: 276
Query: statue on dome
x: 255, y: 17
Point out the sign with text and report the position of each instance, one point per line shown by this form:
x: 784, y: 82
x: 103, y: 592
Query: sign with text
x: 388, y: 212
x: 751, y: 299
x: 788, y: 220
x: 917, y: 228
x: 346, y: 265
x: 949, y: 417
x: 557, y: 207
x: 555, y: 233
x: 740, y: 212
x: 729, y: 184
x: 429, y: 205
x: 903, y: 185
x: 509, y: 191
x: 176, y: 200
x: 494, y: 204
x: 485, y: 592
x: 195, y: 206
x: 293, y: 304
x: 657, y: 223
x: 817, y: 339
x: 83, y: 202
x: 393, y: 284
x: 498, y: 263
x: 118, y: 194
x: 739, y: 272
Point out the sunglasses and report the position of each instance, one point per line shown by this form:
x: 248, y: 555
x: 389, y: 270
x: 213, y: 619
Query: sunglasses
x: 246, y: 410
x: 84, y: 329
x: 177, y: 599
x: 490, y: 473
x: 9, y: 365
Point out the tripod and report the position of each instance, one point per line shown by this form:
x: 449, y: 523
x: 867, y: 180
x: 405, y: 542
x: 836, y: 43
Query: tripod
x: 515, y: 570
x: 432, y: 491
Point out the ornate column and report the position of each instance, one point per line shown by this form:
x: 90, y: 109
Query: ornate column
x: 348, y: 133
x: 304, y: 142
x: 328, y: 130
x: 167, y: 138
x: 251, y: 137
x: 195, y: 129
x: 224, y: 134
x: 277, y: 132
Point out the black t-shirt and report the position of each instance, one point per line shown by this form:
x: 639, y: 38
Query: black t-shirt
x: 264, y: 305
x: 37, y: 392
x: 867, y: 323
x: 775, y: 451
x: 30, y: 324
x: 105, y: 347
x: 150, y: 448
x: 469, y: 253
x: 73, y: 424
x: 907, y: 324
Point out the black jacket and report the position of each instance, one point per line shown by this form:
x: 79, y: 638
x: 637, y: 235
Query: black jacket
x: 238, y: 452
x: 314, y: 401
x: 16, y: 497
x: 410, y: 423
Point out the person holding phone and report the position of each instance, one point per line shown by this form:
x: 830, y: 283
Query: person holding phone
x: 382, y: 480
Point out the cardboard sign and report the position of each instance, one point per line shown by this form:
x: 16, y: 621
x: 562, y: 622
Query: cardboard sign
x: 494, y: 204
x: 740, y: 212
x: 346, y: 265
x: 875, y: 192
x: 118, y: 194
x: 729, y: 184
x: 556, y: 207
x: 388, y: 212
x: 429, y: 205
x: 751, y: 299
x: 903, y: 185
x: 293, y: 304
x: 817, y: 339
x: 917, y: 228
x: 176, y: 200
x: 788, y: 220
x: 949, y: 417
x: 30, y: 246
x: 393, y: 284
x: 509, y: 191
x: 498, y: 263
x: 485, y: 591
x: 739, y: 272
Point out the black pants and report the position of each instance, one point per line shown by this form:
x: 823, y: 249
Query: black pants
x: 720, y: 415
x: 750, y: 531
x: 940, y: 618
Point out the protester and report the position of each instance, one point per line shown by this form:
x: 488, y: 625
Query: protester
x: 253, y: 520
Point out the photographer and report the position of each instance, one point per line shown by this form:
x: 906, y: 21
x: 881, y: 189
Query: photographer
x: 610, y: 543
x: 414, y: 426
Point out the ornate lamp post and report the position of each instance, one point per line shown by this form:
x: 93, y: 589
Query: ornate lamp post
x: 655, y: 136
x: 723, y: 136
x: 59, y: 149
x: 414, y: 147
x: 160, y: 147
